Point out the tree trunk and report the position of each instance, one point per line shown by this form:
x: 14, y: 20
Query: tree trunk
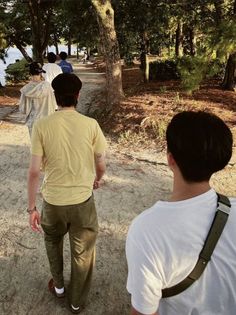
x: 229, y: 81
x: 229, y: 78
x: 218, y: 10
x: 77, y: 50
x: 40, y: 29
x: 105, y: 17
x: 179, y: 40
x: 21, y: 49
x: 145, y: 49
x: 89, y: 52
x: 55, y: 39
x: 69, y: 46
x: 192, y: 41
x: 56, y: 48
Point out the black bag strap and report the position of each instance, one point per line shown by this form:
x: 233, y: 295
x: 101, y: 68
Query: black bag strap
x: 219, y: 221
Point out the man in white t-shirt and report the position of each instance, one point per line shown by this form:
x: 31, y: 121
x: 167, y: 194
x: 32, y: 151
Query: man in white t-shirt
x: 164, y: 242
x: 51, y: 68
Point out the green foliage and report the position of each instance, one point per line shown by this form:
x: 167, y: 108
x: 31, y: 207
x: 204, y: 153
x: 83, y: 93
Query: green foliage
x: 16, y: 22
x: 223, y: 38
x: 194, y: 70
x: 75, y: 21
x: 163, y: 89
x: 17, y: 71
x: 141, y: 22
x: 163, y: 70
x: 129, y: 59
x: 216, y: 69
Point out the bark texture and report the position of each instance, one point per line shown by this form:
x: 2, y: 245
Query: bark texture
x: 145, y: 49
x: 179, y: 40
x: 105, y: 17
x: 229, y: 78
x: 229, y: 81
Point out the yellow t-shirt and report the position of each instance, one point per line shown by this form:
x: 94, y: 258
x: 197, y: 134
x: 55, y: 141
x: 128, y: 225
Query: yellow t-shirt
x: 67, y: 141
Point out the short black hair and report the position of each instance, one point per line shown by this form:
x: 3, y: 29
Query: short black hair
x: 35, y: 68
x: 201, y: 144
x: 63, y: 55
x: 66, y: 88
x: 51, y: 57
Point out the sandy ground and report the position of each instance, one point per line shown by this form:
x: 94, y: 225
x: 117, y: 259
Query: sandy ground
x: 133, y: 182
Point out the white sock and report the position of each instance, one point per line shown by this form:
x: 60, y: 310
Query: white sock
x: 75, y: 308
x: 59, y: 291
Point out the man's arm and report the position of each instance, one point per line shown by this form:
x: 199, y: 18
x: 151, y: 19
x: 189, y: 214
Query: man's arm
x: 33, y: 183
x: 100, y: 166
x: 134, y: 312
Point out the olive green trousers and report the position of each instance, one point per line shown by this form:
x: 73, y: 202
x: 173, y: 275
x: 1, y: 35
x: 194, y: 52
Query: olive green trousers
x: 80, y: 221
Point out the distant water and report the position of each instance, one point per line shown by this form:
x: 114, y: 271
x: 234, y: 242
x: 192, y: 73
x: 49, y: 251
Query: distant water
x: 13, y: 53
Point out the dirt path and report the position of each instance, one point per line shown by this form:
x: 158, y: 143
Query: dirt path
x: 134, y: 181
x: 92, y: 84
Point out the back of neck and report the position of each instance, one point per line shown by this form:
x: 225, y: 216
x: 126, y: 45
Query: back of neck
x: 183, y: 190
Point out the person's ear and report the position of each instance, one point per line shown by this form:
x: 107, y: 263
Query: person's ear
x: 171, y: 160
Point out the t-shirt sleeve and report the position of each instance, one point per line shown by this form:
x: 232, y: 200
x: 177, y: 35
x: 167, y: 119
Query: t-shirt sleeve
x: 99, y: 141
x: 144, y: 281
x: 36, y: 141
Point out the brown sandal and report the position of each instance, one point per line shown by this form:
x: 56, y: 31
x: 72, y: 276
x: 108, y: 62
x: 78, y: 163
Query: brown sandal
x: 51, y: 288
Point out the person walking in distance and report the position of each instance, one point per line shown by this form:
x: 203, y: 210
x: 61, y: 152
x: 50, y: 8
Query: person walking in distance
x: 65, y: 65
x: 165, y: 242
x: 51, y: 68
x: 37, y: 98
x: 72, y: 149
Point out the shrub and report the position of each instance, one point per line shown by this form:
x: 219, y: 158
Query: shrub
x: 129, y: 59
x: 216, y: 69
x: 194, y: 70
x: 18, y: 71
x: 163, y: 70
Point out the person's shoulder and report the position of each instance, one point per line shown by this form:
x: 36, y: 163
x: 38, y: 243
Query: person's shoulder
x: 56, y: 66
x: 45, y: 85
x: 46, y: 65
x: 233, y: 201
x: 87, y: 119
x: 233, y: 205
x: 25, y: 87
x: 90, y: 123
x: 40, y: 123
x: 30, y: 86
x: 145, y: 218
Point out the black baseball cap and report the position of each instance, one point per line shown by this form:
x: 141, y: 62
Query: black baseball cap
x: 36, y: 68
x: 66, y: 84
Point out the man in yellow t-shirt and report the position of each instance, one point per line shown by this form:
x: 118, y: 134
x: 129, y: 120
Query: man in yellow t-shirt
x: 72, y: 150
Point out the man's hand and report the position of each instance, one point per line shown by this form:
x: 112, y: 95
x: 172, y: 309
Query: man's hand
x: 97, y: 183
x: 34, y: 221
x: 100, y: 165
x: 33, y: 183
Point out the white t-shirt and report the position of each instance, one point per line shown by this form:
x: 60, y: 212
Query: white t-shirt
x: 162, y: 248
x: 37, y: 100
x: 52, y: 70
